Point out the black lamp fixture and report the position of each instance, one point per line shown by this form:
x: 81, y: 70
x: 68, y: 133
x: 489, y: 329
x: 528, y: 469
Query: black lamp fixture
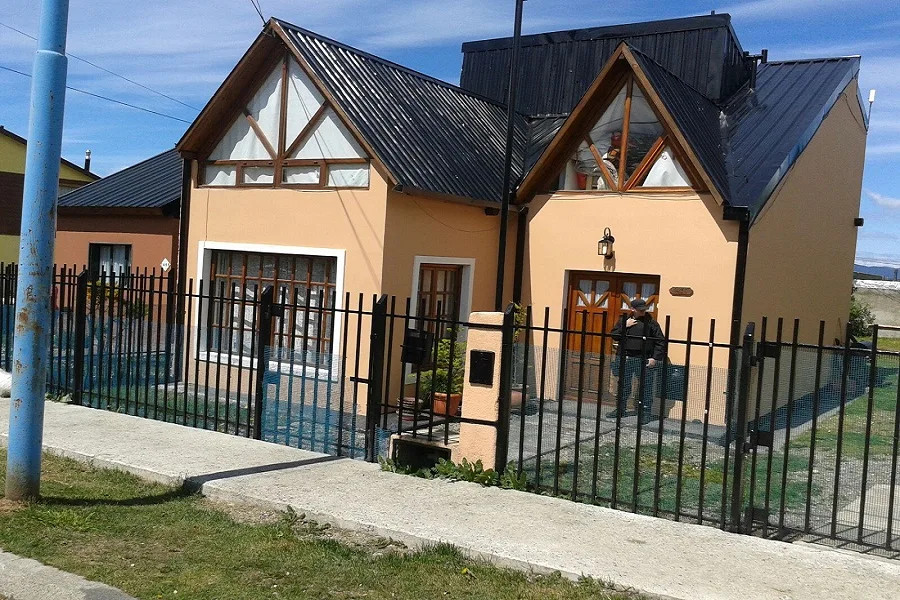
x: 605, y: 245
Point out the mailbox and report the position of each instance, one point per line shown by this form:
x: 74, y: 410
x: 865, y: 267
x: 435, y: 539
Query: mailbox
x: 416, y: 346
x: 481, y: 370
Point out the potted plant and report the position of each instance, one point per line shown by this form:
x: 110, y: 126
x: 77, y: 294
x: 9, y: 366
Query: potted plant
x: 443, y: 382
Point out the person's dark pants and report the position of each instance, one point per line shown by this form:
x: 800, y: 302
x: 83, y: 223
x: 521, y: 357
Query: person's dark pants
x: 632, y: 374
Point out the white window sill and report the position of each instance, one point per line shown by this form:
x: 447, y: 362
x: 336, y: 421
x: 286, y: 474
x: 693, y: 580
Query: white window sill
x: 283, y: 367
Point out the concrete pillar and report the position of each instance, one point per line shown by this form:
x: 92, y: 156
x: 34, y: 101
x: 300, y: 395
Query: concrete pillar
x: 481, y: 402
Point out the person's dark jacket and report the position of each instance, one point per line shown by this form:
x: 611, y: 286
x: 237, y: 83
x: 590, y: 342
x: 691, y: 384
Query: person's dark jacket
x: 631, y: 339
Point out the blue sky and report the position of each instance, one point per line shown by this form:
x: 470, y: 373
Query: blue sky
x: 185, y: 49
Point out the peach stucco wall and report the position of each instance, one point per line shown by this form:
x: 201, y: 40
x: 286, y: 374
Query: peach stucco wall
x: 679, y: 236
x: 417, y: 226
x: 152, y: 238
x: 802, y: 245
x: 349, y: 220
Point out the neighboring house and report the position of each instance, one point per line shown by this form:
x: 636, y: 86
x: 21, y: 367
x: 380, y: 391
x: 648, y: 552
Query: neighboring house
x: 883, y: 298
x: 12, y: 183
x: 127, y: 221
x: 730, y: 184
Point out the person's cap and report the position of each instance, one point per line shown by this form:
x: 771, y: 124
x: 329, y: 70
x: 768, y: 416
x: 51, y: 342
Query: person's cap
x: 639, y: 304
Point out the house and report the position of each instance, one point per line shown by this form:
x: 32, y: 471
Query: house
x: 12, y: 183
x: 730, y: 183
x: 127, y: 221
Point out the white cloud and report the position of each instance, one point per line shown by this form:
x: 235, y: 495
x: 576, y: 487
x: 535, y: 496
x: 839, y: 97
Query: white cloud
x: 884, y: 201
x: 883, y: 149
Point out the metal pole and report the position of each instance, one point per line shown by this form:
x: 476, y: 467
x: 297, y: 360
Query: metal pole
x: 507, y: 165
x: 30, y: 346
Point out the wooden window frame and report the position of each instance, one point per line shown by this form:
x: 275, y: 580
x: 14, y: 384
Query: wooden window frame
x: 323, y: 340
x: 94, y: 249
x: 431, y: 305
x: 280, y: 157
x: 631, y: 184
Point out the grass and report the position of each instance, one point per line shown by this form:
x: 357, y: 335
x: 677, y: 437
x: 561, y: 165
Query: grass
x: 856, y: 416
x: 151, y: 541
x: 663, y: 494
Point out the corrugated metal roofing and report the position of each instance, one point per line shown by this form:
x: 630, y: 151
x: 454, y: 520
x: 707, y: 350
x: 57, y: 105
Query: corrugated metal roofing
x: 770, y: 126
x: 696, y: 117
x: 541, y: 132
x: 557, y: 68
x: 152, y: 183
x: 429, y: 134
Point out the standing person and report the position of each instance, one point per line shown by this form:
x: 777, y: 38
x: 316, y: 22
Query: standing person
x: 642, y: 348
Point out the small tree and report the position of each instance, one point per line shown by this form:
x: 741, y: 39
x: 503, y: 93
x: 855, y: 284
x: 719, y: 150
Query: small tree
x: 861, y: 317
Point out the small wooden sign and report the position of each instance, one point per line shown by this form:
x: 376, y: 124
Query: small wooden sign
x: 684, y: 292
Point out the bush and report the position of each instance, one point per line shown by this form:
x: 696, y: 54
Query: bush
x: 861, y: 317
x: 439, y: 376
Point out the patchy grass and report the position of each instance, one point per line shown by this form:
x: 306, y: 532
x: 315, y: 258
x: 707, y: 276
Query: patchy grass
x: 151, y: 541
x: 638, y: 487
x: 856, y: 416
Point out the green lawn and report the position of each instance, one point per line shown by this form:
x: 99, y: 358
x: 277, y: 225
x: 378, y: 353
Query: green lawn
x: 662, y: 493
x: 151, y: 541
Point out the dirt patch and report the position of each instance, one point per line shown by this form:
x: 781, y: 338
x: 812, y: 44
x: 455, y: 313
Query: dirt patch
x: 8, y: 506
x: 305, y: 528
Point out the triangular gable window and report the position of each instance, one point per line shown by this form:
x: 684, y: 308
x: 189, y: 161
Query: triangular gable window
x: 628, y: 147
x: 287, y: 134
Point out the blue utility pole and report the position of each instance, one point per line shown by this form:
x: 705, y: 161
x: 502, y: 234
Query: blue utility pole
x: 33, y: 318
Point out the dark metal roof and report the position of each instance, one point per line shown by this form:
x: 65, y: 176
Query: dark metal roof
x: 696, y: 116
x: 541, y: 132
x: 24, y: 142
x: 429, y: 134
x: 769, y: 126
x: 557, y: 68
x: 153, y: 183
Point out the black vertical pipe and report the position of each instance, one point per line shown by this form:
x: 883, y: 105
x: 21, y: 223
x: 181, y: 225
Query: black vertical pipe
x: 507, y: 159
x: 519, y: 266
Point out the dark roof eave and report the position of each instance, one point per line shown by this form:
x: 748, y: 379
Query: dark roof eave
x: 418, y: 191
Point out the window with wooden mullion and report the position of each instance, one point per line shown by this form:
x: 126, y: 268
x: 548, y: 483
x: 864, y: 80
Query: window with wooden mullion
x: 641, y: 171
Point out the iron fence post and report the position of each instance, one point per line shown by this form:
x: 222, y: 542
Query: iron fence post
x: 81, y: 286
x: 264, y: 339
x: 374, y: 398
x: 740, y: 429
x: 506, y: 360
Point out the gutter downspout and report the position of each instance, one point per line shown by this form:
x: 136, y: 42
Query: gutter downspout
x: 521, y: 231
x: 742, y: 215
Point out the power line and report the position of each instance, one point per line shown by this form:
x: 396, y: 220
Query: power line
x: 87, y: 93
x: 258, y: 8
x: 105, y: 70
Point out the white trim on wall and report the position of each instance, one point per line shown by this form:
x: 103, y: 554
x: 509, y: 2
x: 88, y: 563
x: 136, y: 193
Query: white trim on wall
x: 204, y: 257
x: 465, y: 291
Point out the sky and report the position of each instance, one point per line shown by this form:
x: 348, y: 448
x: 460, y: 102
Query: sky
x: 184, y: 50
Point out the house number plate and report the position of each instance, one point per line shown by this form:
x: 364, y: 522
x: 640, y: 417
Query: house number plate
x: 684, y: 292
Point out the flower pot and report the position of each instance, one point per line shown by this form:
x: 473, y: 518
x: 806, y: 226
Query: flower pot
x: 516, y: 398
x: 408, y: 407
x: 441, y: 405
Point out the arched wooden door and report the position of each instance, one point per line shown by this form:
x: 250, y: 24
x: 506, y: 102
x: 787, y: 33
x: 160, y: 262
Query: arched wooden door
x: 591, y: 295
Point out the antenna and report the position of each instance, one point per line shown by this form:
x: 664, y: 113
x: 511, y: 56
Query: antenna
x: 871, y: 102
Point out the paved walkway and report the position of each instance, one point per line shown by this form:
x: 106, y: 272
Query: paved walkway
x: 26, y: 579
x: 519, y: 529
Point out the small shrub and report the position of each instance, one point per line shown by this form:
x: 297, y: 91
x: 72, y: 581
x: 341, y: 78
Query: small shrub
x: 861, y: 317
x: 473, y: 472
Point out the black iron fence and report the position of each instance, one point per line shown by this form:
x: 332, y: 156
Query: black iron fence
x: 776, y: 436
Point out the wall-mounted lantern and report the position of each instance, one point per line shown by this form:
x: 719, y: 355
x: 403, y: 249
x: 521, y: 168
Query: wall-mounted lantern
x: 605, y: 245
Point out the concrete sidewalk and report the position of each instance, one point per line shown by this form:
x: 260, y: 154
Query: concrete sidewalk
x: 518, y: 529
x: 26, y: 579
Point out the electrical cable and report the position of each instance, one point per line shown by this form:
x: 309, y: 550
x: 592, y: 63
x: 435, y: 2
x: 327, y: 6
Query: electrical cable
x: 105, y: 70
x: 80, y: 91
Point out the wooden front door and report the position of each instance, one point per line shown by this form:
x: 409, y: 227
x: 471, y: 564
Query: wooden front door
x: 591, y: 295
